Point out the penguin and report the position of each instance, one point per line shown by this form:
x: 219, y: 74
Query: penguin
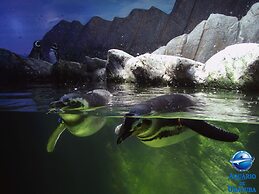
x: 83, y: 124
x: 53, y: 55
x: 36, y: 51
x: 159, y: 132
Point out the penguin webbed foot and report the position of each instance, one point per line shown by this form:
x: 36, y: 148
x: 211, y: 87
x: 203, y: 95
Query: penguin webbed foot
x: 209, y: 130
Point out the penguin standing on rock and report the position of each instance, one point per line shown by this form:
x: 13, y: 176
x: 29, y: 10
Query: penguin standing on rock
x: 36, y: 51
x: 53, y: 55
x: 79, y: 124
x: 159, y: 132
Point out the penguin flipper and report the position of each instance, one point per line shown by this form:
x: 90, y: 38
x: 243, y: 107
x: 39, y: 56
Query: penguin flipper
x: 210, y: 131
x: 55, y: 136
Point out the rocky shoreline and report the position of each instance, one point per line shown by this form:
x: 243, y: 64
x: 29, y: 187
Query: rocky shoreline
x: 220, y: 52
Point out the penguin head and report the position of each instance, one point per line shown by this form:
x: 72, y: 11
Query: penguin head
x: 131, y: 126
x: 54, y: 46
x: 37, y: 44
x: 68, y: 102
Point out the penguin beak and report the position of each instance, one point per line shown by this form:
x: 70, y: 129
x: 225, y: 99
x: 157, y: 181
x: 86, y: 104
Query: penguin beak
x: 124, y: 133
x: 56, y: 106
x: 125, y: 130
x: 61, y: 105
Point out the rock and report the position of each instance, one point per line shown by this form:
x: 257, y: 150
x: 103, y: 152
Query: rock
x: 249, y: 28
x: 236, y: 66
x: 93, y: 64
x: 160, y: 51
x: 92, y: 70
x: 140, y: 32
x: 14, y: 68
x: 160, y: 69
x: 65, y: 34
x: 213, y: 35
x: 116, y: 60
x: 68, y: 71
x: 96, y: 69
x: 39, y: 70
x: 98, y: 76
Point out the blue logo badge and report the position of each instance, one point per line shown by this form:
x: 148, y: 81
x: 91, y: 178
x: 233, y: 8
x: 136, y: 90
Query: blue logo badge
x: 242, y: 161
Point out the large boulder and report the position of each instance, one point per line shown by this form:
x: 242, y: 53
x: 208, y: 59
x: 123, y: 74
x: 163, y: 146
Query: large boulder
x: 160, y: 69
x: 163, y: 69
x: 213, y: 35
x: 116, y: 60
x: 236, y: 66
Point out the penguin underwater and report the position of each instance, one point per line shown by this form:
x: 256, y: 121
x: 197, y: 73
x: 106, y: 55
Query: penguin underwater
x: 157, y: 132
x: 80, y: 125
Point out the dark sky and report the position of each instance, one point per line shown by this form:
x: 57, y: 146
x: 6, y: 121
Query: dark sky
x: 23, y: 21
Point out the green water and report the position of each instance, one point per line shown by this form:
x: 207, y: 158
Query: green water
x: 96, y: 164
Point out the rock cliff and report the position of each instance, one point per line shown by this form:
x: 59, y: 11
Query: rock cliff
x: 141, y: 31
x: 213, y: 35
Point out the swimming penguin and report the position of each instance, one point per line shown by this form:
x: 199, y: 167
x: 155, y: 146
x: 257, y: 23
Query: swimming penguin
x: 53, y: 56
x: 80, y: 125
x: 162, y: 132
x: 36, y: 51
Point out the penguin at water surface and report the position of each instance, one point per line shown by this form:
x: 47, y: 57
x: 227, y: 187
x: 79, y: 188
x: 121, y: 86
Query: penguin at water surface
x: 160, y: 132
x: 80, y: 125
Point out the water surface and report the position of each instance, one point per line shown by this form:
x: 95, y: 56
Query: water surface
x: 96, y: 164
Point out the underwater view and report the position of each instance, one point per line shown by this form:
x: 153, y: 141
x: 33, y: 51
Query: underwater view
x: 95, y: 163
x: 129, y: 97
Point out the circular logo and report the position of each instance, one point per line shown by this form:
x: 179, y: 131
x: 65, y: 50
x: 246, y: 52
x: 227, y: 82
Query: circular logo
x: 242, y: 161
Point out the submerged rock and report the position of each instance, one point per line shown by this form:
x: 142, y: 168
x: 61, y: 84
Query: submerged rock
x: 236, y: 66
x: 213, y: 35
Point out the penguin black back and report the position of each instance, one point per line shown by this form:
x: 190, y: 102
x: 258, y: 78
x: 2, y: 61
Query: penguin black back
x: 165, y: 103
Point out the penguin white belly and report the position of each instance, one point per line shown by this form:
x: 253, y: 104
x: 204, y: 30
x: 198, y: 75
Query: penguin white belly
x: 88, y: 126
x: 167, y: 135
x: 53, y: 57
